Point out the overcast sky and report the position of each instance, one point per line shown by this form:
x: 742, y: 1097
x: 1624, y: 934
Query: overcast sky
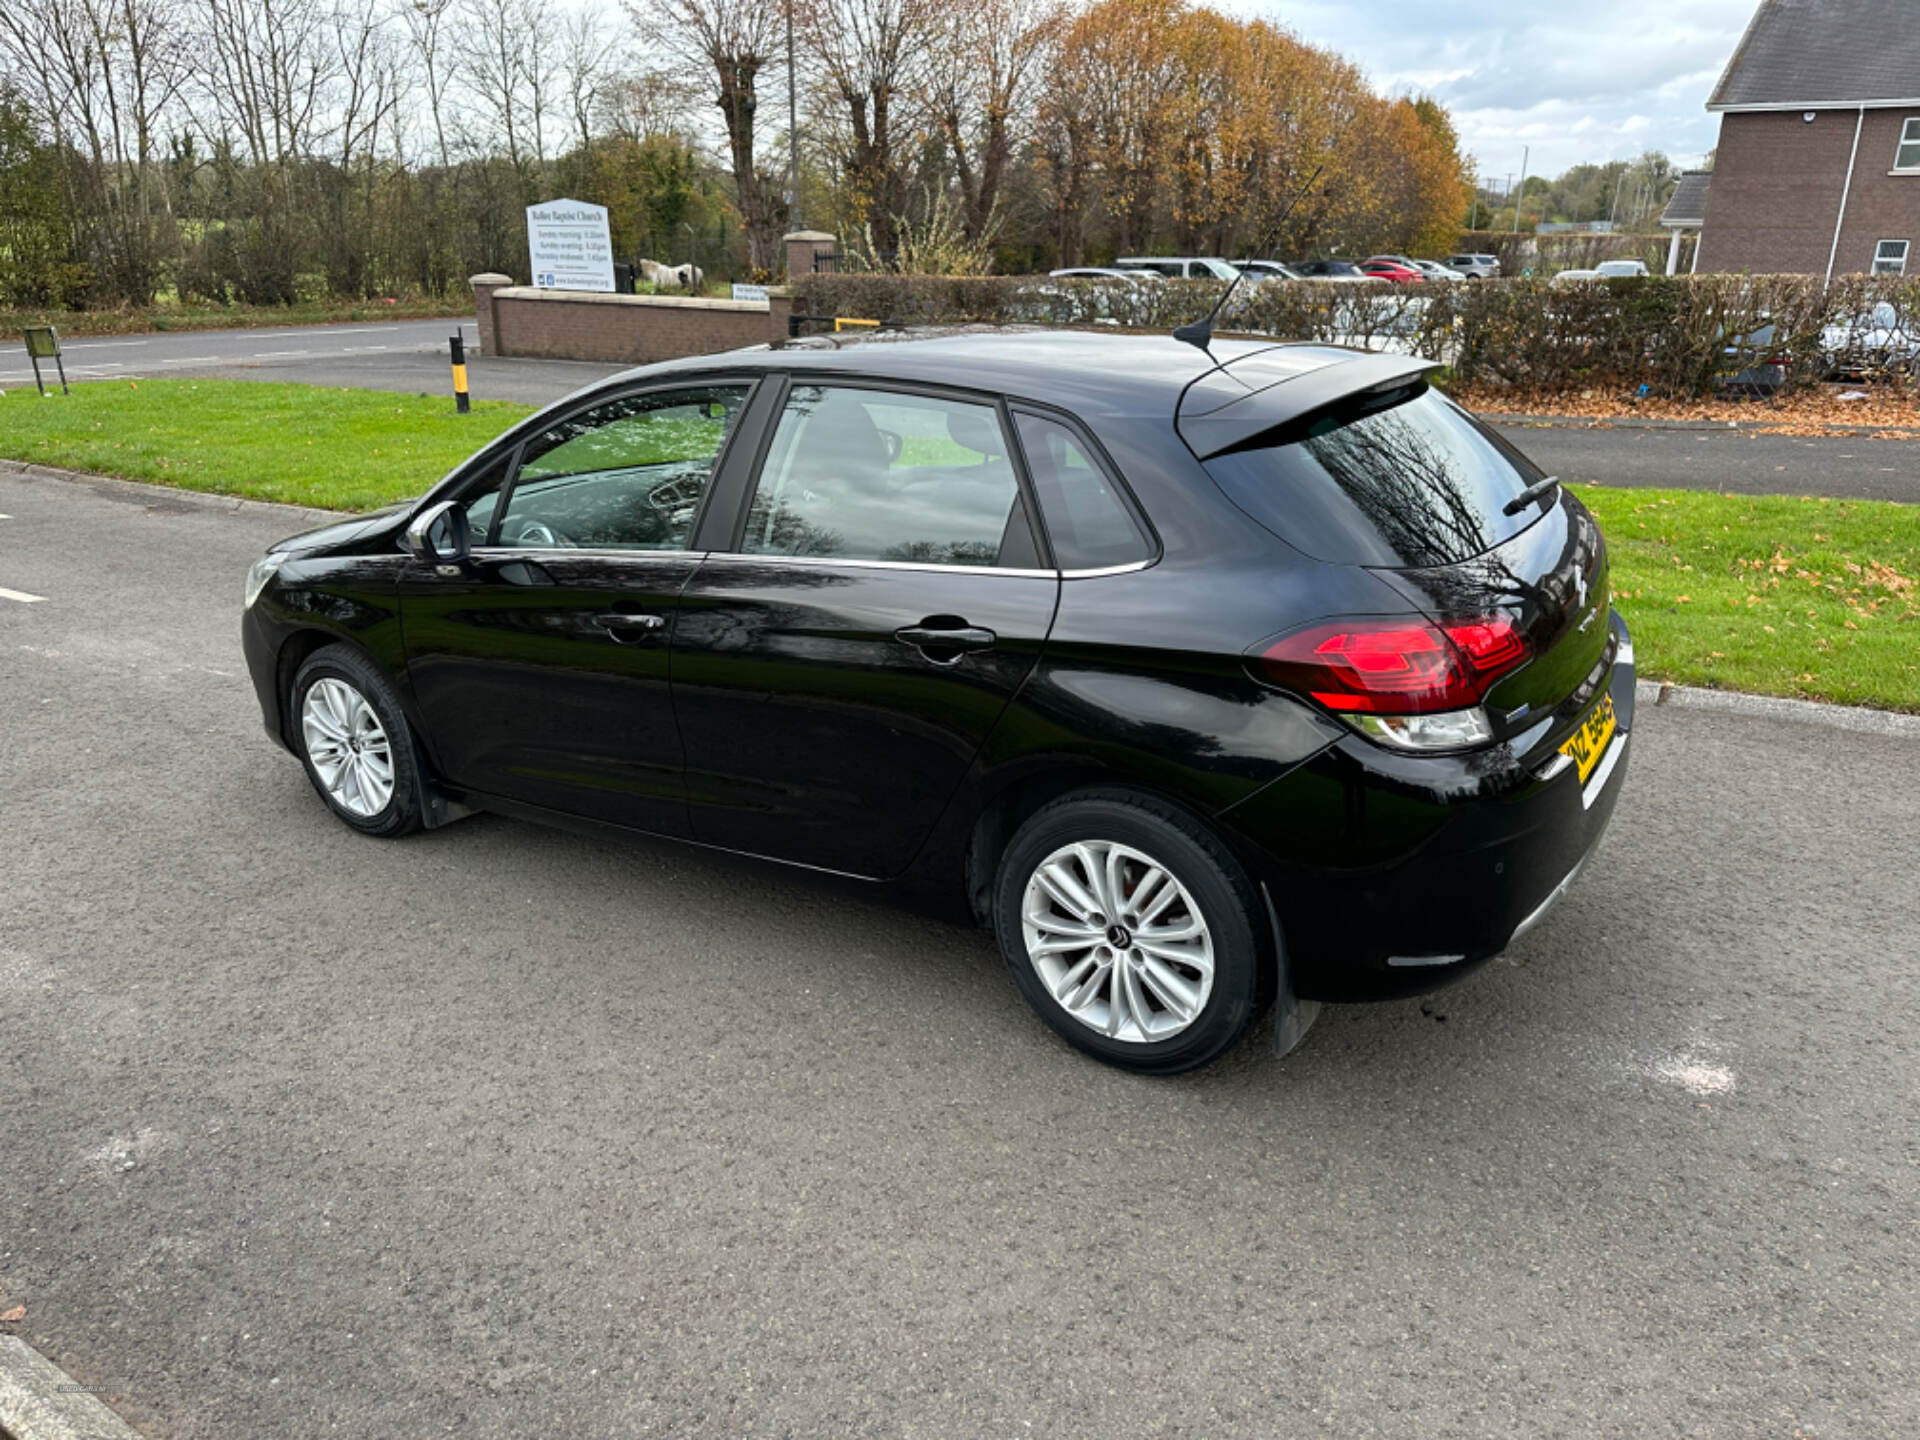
x: 1578, y: 80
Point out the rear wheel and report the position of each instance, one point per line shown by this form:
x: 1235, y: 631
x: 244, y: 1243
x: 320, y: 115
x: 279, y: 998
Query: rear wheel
x: 355, y: 743
x: 1132, y: 931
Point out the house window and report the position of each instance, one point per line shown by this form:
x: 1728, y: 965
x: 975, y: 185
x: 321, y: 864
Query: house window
x: 1890, y: 257
x: 1907, y: 157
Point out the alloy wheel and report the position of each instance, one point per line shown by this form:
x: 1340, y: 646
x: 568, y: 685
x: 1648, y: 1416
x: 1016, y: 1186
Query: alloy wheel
x: 1118, y: 941
x: 348, y: 747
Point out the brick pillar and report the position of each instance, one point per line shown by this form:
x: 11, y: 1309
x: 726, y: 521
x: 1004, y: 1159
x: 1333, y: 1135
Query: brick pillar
x: 483, y: 288
x: 802, y: 246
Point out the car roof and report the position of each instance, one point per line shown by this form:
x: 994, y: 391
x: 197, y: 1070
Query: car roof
x: 1088, y: 372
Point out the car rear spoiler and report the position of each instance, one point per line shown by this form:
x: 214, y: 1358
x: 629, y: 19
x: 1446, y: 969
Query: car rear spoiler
x: 1230, y: 405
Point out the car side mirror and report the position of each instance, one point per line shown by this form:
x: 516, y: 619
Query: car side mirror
x: 439, y: 535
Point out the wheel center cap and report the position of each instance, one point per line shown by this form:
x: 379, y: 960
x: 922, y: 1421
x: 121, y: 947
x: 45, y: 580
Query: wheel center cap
x: 1118, y: 937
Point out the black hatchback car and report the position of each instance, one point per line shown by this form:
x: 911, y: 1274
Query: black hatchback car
x: 1205, y: 677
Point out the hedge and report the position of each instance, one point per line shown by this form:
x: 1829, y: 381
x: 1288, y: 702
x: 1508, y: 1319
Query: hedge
x: 1679, y: 336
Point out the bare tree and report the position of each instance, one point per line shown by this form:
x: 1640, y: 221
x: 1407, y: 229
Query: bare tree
x: 106, y: 72
x: 494, y: 35
x: 584, y: 68
x: 733, y: 41
x: 426, y: 22
x: 867, y: 53
x: 981, y: 79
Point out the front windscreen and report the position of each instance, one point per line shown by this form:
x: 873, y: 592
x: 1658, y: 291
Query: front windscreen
x: 1406, y: 480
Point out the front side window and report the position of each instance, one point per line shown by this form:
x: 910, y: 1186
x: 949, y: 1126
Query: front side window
x: 1087, y: 521
x: 861, y: 474
x: 1907, y: 157
x: 1890, y: 257
x: 625, y: 475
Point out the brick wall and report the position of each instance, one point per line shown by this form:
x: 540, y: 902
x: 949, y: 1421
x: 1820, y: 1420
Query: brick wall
x: 1777, y: 182
x: 621, y: 329
x: 1882, y: 206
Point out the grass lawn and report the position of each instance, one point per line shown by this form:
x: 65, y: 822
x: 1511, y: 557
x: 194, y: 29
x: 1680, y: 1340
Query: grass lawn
x: 1781, y: 596
x: 340, y: 449
x: 73, y: 324
x: 1812, y: 598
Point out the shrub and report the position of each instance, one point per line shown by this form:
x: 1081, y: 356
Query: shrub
x: 1679, y: 336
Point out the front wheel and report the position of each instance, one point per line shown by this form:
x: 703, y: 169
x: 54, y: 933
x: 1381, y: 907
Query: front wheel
x: 1132, y: 931
x: 355, y: 743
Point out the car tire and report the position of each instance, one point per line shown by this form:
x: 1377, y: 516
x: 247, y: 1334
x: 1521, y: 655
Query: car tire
x: 1156, y: 1005
x: 353, y: 738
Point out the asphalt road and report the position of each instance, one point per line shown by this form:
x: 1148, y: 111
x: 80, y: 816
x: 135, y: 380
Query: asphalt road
x: 1740, y: 461
x: 498, y: 1131
x: 410, y: 356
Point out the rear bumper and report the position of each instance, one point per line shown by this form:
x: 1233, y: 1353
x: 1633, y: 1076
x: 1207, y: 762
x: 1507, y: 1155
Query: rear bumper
x: 1394, y: 875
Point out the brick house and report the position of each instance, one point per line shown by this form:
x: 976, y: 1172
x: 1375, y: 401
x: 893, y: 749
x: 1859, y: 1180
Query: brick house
x: 1818, y: 167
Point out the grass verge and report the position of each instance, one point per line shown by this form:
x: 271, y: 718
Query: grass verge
x: 74, y: 324
x: 1818, y: 599
x: 1815, y: 599
x: 338, y: 449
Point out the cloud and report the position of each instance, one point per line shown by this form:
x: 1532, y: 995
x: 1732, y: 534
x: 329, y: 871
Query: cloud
x: 1585, y: 83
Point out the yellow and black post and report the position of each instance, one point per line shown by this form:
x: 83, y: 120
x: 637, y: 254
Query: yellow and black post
x: 459, y: 348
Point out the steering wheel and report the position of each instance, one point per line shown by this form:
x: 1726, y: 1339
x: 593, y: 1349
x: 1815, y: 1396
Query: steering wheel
x: 537, y: 533
x: 672, y: 496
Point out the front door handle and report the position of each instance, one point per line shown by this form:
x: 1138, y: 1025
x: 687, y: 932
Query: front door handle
x: 946, y: 645
x: 622, y: 627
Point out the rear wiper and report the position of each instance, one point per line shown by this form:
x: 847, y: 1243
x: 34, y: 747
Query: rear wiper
x: 1532, y: 493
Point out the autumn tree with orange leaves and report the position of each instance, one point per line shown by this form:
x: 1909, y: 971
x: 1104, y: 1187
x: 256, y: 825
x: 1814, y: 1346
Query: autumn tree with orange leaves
x: 1172, y: 128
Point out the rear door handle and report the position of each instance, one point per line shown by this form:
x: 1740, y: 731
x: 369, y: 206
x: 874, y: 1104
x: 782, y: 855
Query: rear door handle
x: 960, y: 639
x: 621, y: 626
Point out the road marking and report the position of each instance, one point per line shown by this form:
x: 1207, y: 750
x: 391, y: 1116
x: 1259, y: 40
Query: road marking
x: 196, y: 360
x: 20, y: 595
x: 40, y: 1401
x: 275, y: 354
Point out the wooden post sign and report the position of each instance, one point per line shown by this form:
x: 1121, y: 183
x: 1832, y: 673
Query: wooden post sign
x: 43, y: 343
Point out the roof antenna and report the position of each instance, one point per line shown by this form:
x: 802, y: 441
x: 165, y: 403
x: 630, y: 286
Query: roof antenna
x: 1200, y: 332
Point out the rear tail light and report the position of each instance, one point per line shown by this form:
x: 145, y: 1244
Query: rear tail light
x: 1384, y: 675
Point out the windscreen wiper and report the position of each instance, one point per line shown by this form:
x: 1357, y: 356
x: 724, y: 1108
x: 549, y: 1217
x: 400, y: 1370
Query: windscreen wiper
x: 1532, y: 493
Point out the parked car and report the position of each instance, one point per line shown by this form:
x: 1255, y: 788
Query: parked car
x: 1155, y: 658
x: 1620, y: 269
x: 1874, y: 342
x: 1099, y: 272
x: 1343, y: 270
x: 1266, y: 270
x: 1179, y: 267
x: 1475, y: 266
x: 1434, y: 270
x: 1394, y: 271
x: 1569, y: 277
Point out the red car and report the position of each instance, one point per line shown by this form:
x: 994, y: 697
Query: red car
x: 1394, y: 271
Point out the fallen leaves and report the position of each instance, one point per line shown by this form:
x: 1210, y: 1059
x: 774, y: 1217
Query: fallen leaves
x: 1894, y: 414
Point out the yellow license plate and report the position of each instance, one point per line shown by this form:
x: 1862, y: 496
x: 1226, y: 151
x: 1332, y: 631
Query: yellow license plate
x: 1587, y: 744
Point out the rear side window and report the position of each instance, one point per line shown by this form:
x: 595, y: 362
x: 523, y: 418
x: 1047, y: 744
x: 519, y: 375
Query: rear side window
x: 1087, y: 520
x: 864, y: 474
x: 1405, y: 480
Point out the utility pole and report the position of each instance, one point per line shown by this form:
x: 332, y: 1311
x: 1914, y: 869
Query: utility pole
x: 1526, y: 154
x: 793, y: 132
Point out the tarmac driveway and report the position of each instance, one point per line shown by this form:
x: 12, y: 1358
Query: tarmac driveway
x: 504, y: 1132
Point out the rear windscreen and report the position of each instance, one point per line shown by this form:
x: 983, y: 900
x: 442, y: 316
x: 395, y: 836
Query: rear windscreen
x: 1406, y: 480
